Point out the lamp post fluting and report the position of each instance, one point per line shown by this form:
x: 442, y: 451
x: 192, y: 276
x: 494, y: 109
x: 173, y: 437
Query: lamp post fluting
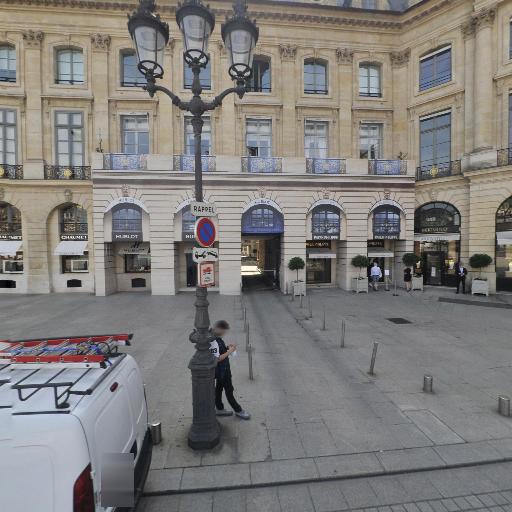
x: 150, y: 36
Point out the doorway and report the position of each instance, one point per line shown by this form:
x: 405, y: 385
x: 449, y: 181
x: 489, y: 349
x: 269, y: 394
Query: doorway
x: 191, y: 270
x: 261, y: 259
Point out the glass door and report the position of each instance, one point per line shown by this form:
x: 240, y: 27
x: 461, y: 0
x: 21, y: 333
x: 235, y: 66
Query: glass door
x: 434, y: 267
x: 191, y: 271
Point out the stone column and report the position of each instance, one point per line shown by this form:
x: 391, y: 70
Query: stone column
x: 468, y: 32
x: 33, y: 159
x: 483, y: 130
x: 399, y: 62
x: 345, y: 58
x: 289, y: 77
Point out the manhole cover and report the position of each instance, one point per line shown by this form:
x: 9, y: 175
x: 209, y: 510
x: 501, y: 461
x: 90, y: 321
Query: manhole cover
x: 399, y: 320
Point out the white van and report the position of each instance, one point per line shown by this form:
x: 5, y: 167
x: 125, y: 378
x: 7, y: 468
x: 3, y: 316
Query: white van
x: 67, y: 406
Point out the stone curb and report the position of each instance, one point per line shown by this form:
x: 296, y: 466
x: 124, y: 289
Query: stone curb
x: 326, y: 468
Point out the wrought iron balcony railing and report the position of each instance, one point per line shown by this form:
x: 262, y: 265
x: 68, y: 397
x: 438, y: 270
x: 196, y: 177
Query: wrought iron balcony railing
x: 124, y: 162
x: 431, y: 172
x: 186, y: 163
x: 73, y: 228
x: 261, y: 164
x: 11, y: 172
x: 504, y: 157
x: 10, y: 229
x: 387, y: 167
x: 67, y: 172
x: 326, y: 166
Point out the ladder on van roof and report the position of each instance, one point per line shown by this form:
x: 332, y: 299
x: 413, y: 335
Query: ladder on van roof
x: 64, y: 352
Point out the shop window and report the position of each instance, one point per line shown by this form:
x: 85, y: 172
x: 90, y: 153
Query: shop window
x: 436, y: 68
x: 74, y: 283
x: 437, y: 217
x: 370, y: 141
x: 260, y: 80
x: 259, y: 137
x: 12, y: 265
x: 135, y: 263
x: 130, y: 74
x: 435, y: 140
x: 262, y: 219
x: 205, y: 77
x: 73, y: 223
x: 369, y: 80
x: 316, y: 139
x: 138, y: 282
x: 135, y: 134
x: 386, y: 223
x: 126, y: 222
x: 7, y: 283
x: 70, y: 66
x: 206, y: 137
x: 69, y: 138
x: 315, y: 76
x: 10, y: 222
x: 7, y: 63
x: 325, y: 223
x: 188, y: 222
x: 73, y: 264
x: 504, y: 246
x: 8, y: 137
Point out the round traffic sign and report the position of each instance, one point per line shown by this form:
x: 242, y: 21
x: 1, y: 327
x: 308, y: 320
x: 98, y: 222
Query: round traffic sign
x: 205, y: 232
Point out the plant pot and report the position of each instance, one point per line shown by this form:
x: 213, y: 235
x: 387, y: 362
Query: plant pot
x: 299, y: 288
x: 480, y: 286
x: 360, y: 285
x: 417, y: 283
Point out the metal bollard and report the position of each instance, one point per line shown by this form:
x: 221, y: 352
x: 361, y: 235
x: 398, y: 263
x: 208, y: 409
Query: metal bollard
x: 428, y: 383
x: 342, y: 334
x: 394, y: 292
x: 374, y: 357
x: 156, y: 432
x: 324, y: 327
x: 249, y: 356
x: 286, y: 288
x: 247, y: 343
x: 386, y: 283
x: 301, y: 300
x: 504, y: 405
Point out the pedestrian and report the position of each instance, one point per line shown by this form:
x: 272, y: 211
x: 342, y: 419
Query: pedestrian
x: 376, y: 275
x: 461, y: 272
x: 408, y: 279
x: 223, y: 377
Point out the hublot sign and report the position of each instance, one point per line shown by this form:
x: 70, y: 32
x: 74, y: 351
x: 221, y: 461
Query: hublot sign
x: 126, y: 237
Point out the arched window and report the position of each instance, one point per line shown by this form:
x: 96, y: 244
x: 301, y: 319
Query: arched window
x: 325, y: 223
x: 262, y: 219
x: 504, y: 246
x: 386, y: 223
x: 437, y: 217
x: 70, y: 66
x: 7, y: 63
x: 315, y: 76
x: 10, y: 222
x: 126, y: 222
x: 73, y: 220
x: 369, y: 80
x: 504, y: 216
x: 130, y: 74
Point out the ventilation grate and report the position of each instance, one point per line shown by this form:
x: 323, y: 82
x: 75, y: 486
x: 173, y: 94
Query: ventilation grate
x: 400, y: 321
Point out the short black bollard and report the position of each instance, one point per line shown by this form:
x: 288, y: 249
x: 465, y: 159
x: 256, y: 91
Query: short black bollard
x: 342, y: 334
x: 394, y: 292
x: 249, y: 356
x: 428, y: 384
x: 247, y: 342
x: 310, y: 308
x: 374, y: 357
x: 504, y: 405
x: 324, y: 326
x: 156, y: 432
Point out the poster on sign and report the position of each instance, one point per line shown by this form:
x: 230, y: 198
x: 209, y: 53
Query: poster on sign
x: 206, y: 274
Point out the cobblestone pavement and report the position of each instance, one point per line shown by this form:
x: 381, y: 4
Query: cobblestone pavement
x: 468, y: 489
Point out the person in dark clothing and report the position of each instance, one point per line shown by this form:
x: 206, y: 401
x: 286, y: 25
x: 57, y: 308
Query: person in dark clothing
x: 461, y: 272
x: 408, y: 279
x: 223, y: 377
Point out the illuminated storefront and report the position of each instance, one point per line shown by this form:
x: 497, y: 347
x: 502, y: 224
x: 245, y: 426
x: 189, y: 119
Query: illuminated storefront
x: 504, y: 246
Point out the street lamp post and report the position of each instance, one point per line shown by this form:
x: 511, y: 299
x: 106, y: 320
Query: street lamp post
x: 150, y: 36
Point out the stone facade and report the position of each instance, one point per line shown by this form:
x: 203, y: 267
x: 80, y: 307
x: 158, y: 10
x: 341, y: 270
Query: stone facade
x: 344, y: 39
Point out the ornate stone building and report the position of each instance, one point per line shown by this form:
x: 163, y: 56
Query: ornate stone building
x: 371, y: 127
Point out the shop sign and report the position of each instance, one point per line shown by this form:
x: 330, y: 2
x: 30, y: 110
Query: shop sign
x: 7, y: 236
x: 74, y: 236
x: 206, y: 274
x: 388, y: 236
x: 187, y: 235
x: 136, y: 248
x: 433, y: 229
x: 326, y: 237
x: 318, y: 244
x: 126, y: 237
x: 202, y: 209
x: 376, y: 243
x: 200, y: 254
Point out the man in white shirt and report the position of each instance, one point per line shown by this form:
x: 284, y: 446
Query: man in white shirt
x: 375, y: 275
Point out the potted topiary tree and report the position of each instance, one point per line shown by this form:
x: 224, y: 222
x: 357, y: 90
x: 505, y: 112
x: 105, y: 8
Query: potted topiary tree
x: 297, y: 263
x: 409, y: 259
x: 360, y: 283
x: 480, y: 284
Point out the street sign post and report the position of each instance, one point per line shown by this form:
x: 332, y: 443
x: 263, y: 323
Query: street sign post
x: 205, y: 232
x: 206, y: 274
x: 202, y: 209
x: 200, y: 254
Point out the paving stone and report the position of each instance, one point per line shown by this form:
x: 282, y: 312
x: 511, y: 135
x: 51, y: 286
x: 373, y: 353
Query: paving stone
x: 398, y: 508
x: 462, y: 503
x: 283, y: 471
x: 437, y: 506
x: 352, y: 465
x: 229, y: 500
x: 295, y: 498
x: 487, y: 500
x: 474, y: 501
x: 434, y: 428
x: 262, y: 500
x: 411, y: 507
x: 161, y: 480
x: 285, y: 444
x: 414, y: 458
x: 419, y: 487
x: 316, y: 439
x: 424, y: 507
x: 450, y: 505
x: 327, y: 497
x: 467, y: 453
x: 159, y: 504
x: 358, y: 493
x: 212, y: 477
x: 389, y: 490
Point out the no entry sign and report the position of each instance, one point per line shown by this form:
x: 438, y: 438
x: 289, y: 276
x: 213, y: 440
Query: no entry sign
x: 205, y: 232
